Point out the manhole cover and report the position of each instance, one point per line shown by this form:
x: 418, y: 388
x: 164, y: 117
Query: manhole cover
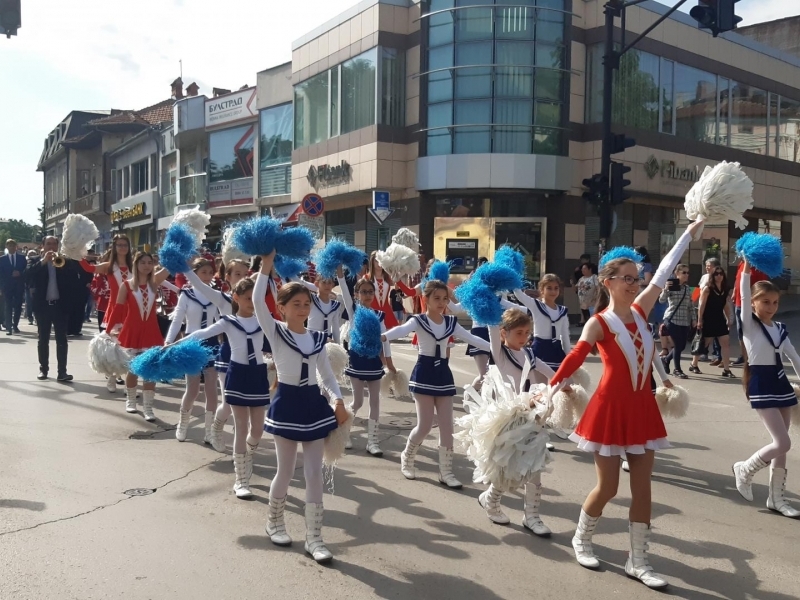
x: 399, y: 422
x: 139, y: 492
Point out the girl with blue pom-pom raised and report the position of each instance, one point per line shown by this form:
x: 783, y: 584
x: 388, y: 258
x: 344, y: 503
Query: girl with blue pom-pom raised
x: 431, y: 381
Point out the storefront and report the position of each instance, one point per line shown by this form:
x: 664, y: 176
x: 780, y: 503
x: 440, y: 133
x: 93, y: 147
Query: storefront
x: 134, y: 217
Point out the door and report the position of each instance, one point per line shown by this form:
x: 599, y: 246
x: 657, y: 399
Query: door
x: 528, y: 236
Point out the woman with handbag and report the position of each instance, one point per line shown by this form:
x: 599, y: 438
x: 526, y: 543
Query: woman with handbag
x: 679, y: 318
x: 714, y: 320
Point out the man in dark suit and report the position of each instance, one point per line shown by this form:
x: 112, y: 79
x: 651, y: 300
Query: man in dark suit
x: 12, y: 282
x: 54, y: 291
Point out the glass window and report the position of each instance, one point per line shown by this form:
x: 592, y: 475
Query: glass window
x: 695, y: 104
x: 548, y: 114
x: 513, y: 139
x: 748, y: 118
x: 474, y: 23
x: 275, y: 146
x: 550, y: 23
x: 230, y: 153
x: 440, y: 84
x: 440, y: 141
x: 789, y: 130
x: 311, y: 111
x: 471, y: 140
x: 140, y: 180
x: 358, y: 91
x: 772, y: 132
x: 440, y: 27
x: 667, y: 105
x: 594, y: 84
x: 474, y: 82
x: 334, y: 101
x: 516, y: 80
x: 440, y: 114
x: 393, y: 90
x: 636, y: 91
x: 724, y: 95
x: 515, y: 22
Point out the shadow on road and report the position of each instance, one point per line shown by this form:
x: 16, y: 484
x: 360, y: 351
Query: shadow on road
x: 23, y: 504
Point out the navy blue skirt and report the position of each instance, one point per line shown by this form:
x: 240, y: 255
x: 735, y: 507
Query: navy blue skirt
x: 549, y: 351
x: 363, y: 368
x: 212, y: 345
x: 246, y: 385
x: 300, y: 413
x: 769, y: 387
x: 483, y: 333
x: 223, y: 357
x: 432, y: 377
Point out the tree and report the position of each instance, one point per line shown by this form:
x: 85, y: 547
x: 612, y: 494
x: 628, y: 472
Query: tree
x: 18, y: 230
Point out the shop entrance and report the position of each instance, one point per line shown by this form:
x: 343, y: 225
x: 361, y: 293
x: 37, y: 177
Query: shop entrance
x: 527, y: 235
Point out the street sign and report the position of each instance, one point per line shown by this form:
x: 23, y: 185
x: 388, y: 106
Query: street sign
x: 315, y: 224
x: 313, y: 205
x: 380, y: 207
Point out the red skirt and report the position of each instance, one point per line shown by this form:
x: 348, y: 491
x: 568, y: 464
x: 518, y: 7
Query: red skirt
x: 136, y: 335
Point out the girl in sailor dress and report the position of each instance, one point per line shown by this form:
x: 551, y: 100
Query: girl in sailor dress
x: 623, y: 414
x: 431, y: 381
x: 197, y: 312
x: 246, y: 386
x: 235, y: 271
x: 298, y: 414
x: 366, y: 372
x: 551, y: 341
x: 511, y: 353
x: 326, y: 310
x: 135, y: 313
x: 767, y: 388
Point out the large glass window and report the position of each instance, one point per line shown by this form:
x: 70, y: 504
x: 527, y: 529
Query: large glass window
x: 789, y: 130
x: 276, y: 135
x: 748, y: 118
x: 358, y: 91
x: 230, y: 153
x: 393, y: 75
x: 311, y: 110
x: 695, y: 104
x: 636, y: 90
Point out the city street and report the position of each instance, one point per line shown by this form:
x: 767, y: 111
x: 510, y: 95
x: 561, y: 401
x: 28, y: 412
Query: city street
x: 68, y: 530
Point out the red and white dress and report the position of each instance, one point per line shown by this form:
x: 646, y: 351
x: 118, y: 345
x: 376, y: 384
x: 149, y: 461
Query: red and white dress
x: 116, y: 276
x: 137, y: 316
x: 382, y: 302
x: 623, y: 415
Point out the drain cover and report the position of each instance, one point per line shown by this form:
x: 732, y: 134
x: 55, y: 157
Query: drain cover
x: 139, y: 492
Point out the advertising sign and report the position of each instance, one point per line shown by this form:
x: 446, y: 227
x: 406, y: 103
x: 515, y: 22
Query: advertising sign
x: 231, y: 107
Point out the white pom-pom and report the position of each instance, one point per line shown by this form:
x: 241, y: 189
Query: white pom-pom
x: 582, y: 378
x: 336, y: 440
x: 272, y: 371
x: 107, y: 357
x: 400, y: 385
x: 79, y: 235
x: 406, y: 237
x: 563, y: 416
x: 386, y: 384
x: 196, y: 220
x: 399, y: 261
x: 344, y: 331
x: 673, y: 402
x: 338, y: 358
x: 722, y: 193
x: 229, y: 251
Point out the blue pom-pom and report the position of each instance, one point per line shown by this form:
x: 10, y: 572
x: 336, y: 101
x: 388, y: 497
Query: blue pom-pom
x: 621, y: 252
x: 511, y: 258
x: 289, y: 268
x: 763, y: 251
x: 335, y: 253
x: 296, y: 242
x: 480, y: 302
x: 164, y: 364
x: 365, y: 333
x: 439, y: 271
x: 498, y: 277
x: 178, y: 247
x: 257, y: 237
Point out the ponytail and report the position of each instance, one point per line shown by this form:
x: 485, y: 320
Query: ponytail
x: 603, y: 300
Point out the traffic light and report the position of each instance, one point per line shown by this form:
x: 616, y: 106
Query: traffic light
x: 597, y: 189
x: 718, y: 16
x: 620, y: 143
x: 618, y: 193
x: 10, y: 19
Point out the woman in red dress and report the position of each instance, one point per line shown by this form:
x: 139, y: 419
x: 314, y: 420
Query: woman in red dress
x: 117, y: 269
x: 383, y: 285
x: 135, y: 312
x: 622, y: 416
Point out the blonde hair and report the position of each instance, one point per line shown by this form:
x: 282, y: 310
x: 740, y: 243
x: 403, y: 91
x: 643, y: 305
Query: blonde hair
x: 515, y: 317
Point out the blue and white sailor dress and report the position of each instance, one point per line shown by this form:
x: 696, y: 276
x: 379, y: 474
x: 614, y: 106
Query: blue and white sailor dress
x: 198, y: 313
x: 223, y: 358
x: 325, y: 317
x: 768, y: 386
x: 550, y: 330
x: 482, y: 332
x: 300, y: 412
x: 366, y: 368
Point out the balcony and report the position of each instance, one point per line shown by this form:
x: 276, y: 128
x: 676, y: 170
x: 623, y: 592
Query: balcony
x: 88, y: 204
x: 166, y: 205
x: 193, y: 189
x: 190, y: 120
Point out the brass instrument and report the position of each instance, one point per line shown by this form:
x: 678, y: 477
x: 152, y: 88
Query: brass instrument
x: 59, y: 260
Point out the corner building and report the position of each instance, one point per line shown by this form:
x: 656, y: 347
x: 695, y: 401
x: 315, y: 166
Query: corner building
x: 482, y: 118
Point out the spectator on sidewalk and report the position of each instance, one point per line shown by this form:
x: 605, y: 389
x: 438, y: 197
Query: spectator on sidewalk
x: 12, y: 282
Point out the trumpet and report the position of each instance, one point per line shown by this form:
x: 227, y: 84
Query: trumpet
x: 59, y: 260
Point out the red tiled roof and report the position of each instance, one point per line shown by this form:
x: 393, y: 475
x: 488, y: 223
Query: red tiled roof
x: 151, y: 115
x: 158, y: 113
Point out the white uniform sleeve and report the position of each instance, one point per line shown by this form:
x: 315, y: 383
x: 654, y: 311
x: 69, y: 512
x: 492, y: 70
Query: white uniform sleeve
x: 170, y: 286
x: 545, y: 369
x: 495, y: 344
x: 403, y: 330
x: 335, y: 320
x: 209, y: 332
x: 790, y: 352
x: 671, y: 260
x: 747, y: 307
x: 263, y: 316
x: 178, y: 317
x: 326, y: 372
x: 387, y: 347
x: 563, y: 331
x: 658, y: 365
x: 505, y: 303
x: 309, y: 285
x: 527, y: 301
x: 347, y: 299
x: 466, y: 336
x: 212, y: 295
x: 455, y: 307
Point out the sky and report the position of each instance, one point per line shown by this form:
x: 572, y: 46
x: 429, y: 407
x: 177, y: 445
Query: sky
x: 101, y: 54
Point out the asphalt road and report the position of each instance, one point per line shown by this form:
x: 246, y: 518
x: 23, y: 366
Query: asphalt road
x: 67, y: 530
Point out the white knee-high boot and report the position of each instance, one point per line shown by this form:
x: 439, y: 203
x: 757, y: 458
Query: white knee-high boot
x: 446, y: 476
x: 130, y: 399
x: 241, y: 486
x: 148, y: 397
x: 216, y: 435
x: 183, y: 425
x: 490, y: 502
x: 208, y: 437
x: 407, y: 459
x: 276, y: 528
x: 638, y: 566
x: 314, y: 544
x: 533, y: 498
x: 372, y: 438
x: 776, y: 500
x: 744, y: 471
x: 582, y: 541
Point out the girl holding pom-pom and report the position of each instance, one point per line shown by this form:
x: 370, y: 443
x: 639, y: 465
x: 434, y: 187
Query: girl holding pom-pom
x: 135, y: 313
x: 326, y: 310
x: 246, y: 387
x: 383, y: 284
x: 767, y: 388
x: 431, y: 381
x: 298, y: 414
x: 510, y: 353
x: 623, y: 414
x: 366, y: 372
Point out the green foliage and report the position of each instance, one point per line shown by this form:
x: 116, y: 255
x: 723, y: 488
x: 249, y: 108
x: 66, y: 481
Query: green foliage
x: 18, y: 230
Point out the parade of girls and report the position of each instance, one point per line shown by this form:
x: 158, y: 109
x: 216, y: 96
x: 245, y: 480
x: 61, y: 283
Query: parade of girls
x: 268, y: 348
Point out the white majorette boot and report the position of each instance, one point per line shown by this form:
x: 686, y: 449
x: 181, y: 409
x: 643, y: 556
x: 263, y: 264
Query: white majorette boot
x: 252, y: 446
x: 349, y: 444
x: 183, y: 425
x: 532, y: 520
x: 582, y: 541
x: 207, y: 437
x: 241, y: 486
x: 276, y: 528
x: 744, y: 471
x: 776, y: 500
x: 130, y: 400
x: 372, y: 438
x: 490, y: 502
x: 314, y: 544
x: 446, y: 476
x: 111, y: 384
x: 148, y: 397
x: 216, y: 436
x: 407, y: 458
x: 638, y: 566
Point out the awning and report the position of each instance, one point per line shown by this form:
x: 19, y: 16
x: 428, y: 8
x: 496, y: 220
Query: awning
x: 286, y: 213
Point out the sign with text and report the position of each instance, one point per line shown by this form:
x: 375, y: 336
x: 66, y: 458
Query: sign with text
x: 380, y: 206
x: 315, y: 224
x: 231, y: 107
